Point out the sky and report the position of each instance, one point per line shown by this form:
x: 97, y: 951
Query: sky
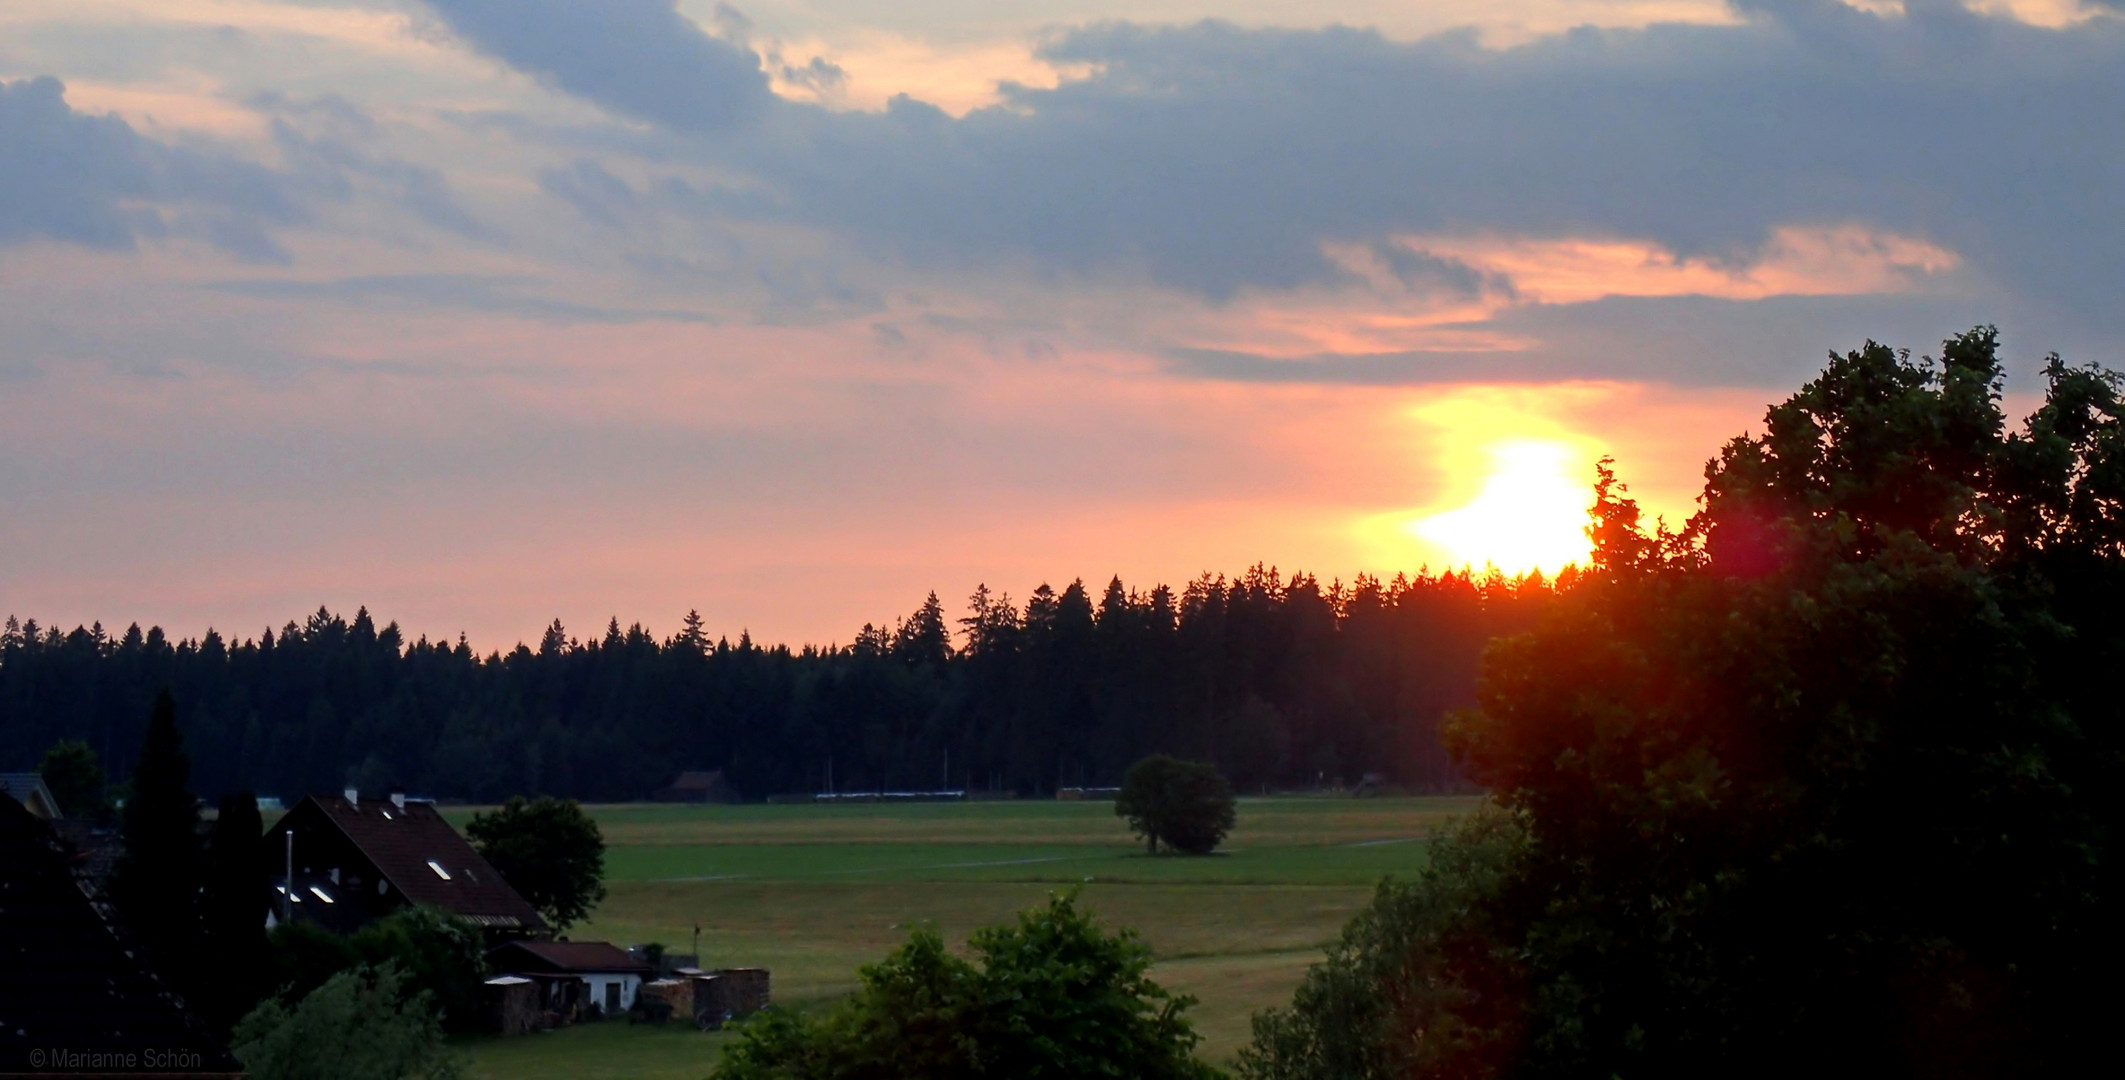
x: 483, y: 313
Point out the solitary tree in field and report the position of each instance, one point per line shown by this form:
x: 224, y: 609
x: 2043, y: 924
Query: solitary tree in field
x: 1187, y: 804
x: 549, y: 850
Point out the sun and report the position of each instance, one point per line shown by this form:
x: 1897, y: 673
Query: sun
x: 1529, y: 514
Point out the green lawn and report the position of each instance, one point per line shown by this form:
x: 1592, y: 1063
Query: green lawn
x: 811, y: 892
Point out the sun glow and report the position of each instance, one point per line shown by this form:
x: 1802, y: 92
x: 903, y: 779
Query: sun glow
x: 1529, y: 514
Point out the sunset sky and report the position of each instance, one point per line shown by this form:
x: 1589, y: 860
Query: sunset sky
x: 487, y: 312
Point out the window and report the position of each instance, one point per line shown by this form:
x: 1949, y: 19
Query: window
x: 321, y: 894
x: 439, y: 871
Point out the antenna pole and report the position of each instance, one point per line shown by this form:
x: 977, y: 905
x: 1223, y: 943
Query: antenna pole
x: 287, y: 899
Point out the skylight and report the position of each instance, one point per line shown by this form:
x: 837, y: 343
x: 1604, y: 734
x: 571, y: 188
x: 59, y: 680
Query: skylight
x: 439, y: 871
x: 321, y: 895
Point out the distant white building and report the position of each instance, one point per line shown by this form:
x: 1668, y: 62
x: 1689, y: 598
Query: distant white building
x: 606, y: 976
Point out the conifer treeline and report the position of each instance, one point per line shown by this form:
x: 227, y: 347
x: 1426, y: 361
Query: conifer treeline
x: 1279, y: 681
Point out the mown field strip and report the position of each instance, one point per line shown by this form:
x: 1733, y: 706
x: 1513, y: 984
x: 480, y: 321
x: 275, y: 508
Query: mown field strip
x: 814, y: 892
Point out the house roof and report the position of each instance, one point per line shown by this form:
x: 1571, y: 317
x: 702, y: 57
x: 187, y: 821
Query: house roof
x: 691, y: 780
x: 68, y: 981
x: 28, y: 788
x: 563, y: 956
x: 422, y: 857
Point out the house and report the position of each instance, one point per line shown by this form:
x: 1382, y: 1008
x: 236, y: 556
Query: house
x: 604, y: 974
x: 74, y: 1000
x: 700, y: 787
x: 28, y: 789
x: 355, y: 859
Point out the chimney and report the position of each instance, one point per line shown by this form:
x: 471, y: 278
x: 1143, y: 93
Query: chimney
x: 354, y: 796
x: 398, y: 796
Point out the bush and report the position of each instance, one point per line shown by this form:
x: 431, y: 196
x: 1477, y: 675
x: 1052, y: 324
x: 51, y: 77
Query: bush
x: 1186, y: 804
x: 1382, y: 1004
x: 432, y: 949
x: 1053, y: 996
x: 361, y: 1024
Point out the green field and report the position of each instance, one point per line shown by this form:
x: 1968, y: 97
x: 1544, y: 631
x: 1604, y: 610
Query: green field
x: 811, y: 892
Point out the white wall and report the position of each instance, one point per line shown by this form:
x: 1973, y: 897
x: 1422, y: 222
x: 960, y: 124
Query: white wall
x: 629, y: 984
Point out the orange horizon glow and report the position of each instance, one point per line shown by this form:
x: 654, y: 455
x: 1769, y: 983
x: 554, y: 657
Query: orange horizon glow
x: 1513, y: 469
x: 1530, y: 513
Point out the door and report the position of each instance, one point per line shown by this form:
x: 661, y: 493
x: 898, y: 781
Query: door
x: 612, y: 996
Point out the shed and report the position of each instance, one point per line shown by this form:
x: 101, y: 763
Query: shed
x: 610, y: 977
x: 698, y: 787
x: 512, y: 1003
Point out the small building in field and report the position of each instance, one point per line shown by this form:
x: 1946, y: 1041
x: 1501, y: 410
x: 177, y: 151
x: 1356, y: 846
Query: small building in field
x: 698, y: 787
x: 28, y: 789
x: 359, y: 859
x: 513, y: 1006
x: 609, y: 977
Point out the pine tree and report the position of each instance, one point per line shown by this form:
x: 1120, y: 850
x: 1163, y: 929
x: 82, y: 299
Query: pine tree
x: 156, y: 883
x: 234, y: 915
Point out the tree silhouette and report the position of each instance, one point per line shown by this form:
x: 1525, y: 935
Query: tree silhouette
x: 1834, y: 766
x: 550, y: 851
x: 156, y: 881
x: 1185, y: 804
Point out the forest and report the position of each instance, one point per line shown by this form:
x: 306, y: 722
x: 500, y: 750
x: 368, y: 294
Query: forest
x: 1279, y: 680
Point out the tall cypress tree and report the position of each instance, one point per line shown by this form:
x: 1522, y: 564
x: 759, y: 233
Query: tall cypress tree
x: 234, y: 915
x: 155, y: 885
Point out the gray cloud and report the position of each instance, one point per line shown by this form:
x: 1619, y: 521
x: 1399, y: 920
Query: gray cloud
x: 93, y: 180
x: 639, y: 58
x: 1220, y: 158
x: 1217, y: 158
x: 595, y: 193
x: 471, y: 292
x: 1691, y: 340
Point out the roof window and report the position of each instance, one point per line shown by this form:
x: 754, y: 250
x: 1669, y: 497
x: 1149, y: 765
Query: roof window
x: 439, y: 871
x: 321, y: 894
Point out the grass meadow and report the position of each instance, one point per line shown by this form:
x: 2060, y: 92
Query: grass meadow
x: 813, y: 892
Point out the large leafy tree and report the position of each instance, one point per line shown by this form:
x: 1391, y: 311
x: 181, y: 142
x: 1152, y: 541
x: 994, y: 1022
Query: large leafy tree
x: 549, y: 851
x: 1185, y: 804
x: 1054, y: 995
x: 1832, y: 770
x: 75, y: 776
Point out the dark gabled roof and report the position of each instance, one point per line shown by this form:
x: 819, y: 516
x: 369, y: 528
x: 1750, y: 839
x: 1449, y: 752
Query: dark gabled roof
x: 28, y: 789
x: 69, y: 982
x: 408, y: 843
x: 563, y: 956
